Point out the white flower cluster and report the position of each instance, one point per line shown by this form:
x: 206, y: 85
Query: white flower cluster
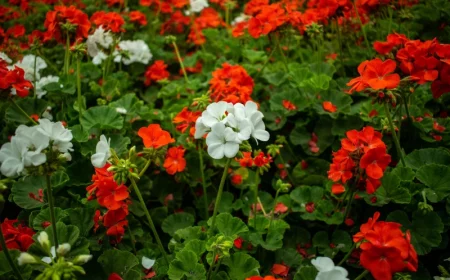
x: 96, y: 43
x: 27, y: 64
x: 137, y: 51
x: 197, y: 6
x: 26, y: 146
x: 327, y: 269
x: 228, y: 125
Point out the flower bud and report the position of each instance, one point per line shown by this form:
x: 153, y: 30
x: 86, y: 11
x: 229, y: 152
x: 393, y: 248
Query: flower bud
x: 43, y: 240
x: 26, y: 258
x: 82, y: 259
x: 63, y: 249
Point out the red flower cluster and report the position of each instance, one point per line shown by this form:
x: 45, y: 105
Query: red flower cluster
x: 154, y: 136
x: 419, y: 62
x: 231, y: 83
x: 186, y: 119
x: 288, y: 105
x: 164, y: 6
x: 114, y: 197
x: 263, y: 278
x: 156, y: 72
x: 260, y: 160
x: 14, y: 80
x: 208, y: 18
x: 329, y: 107
x: 138, y: 17
x: 175, y: 161
x: 61, y: 15
x: 362, y: 155
x: 16, y: 235
x: 175, y: 23
x: 386, y: 250
x: 109, y: 21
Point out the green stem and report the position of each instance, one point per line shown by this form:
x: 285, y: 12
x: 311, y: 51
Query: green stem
x: 347, y: 255
x: 394, y: 135
x: 67, y: 55
x: 147, y: 164
x: 80, y: 100
x: 340, y: 47
x: 11, y: 262
x: 219, y: 194
x: 34, y: 76
x: 255, y: 209
x: 149, y: 219
x: 212, y: 264
x: 349, y: 205
x: 205, y: 194
x: 49, y: 63
x: 52, y: 210
x: 362, y: 26
x: 133, y: 240
x: 181, y: 62
x: 23, y: 112
x: 274, y: 206
x: 362, y: 275
x: 405, y: 101
x: 265, y: 63
x: 282, y: 53
x: 227, y: 15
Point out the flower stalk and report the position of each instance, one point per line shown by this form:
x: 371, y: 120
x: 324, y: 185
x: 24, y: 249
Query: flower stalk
x: 23, y: 112
x: 362, y: 275
x: 79, y: 98
x: 52, y: 210
x: 205, y: 194
x: 177, y: 52
x: 394, y: 134
x: 219, y: 194
x: 149, y: 218
x: 67, y: 54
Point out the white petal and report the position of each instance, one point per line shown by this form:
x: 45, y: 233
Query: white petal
x: 147, y: 263
x: 231, y: 149
x: 216, y: 151
x: 323, y: 264
x: 98, y: 160
x: 262, y: 135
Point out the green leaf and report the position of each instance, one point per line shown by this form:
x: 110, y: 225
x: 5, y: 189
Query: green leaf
x: 28, y: 192
x: 345, y: 123
x: 226, y: 202
x: 425, y: 228
x: 339, y: 99
x: 102, y: 117
x: 229, y: 226
x: 342, y: 240
x: 119, y: 143
x: 254, y: 56
x: 196, y: 246
x: 79, y: 134
x: 66, y: 234
x: 186, y: 264
x: 82, y: 218
x: 436, y: 177
x: 404, y: 173
x: 241, y: 266
x: 306, y: 273
x: 391, y: 190
x: 305, y: 194
x: 59, y: 179
x: 419, y: 158
x: 117, y: 261
x: 44, y: 216
x: 275, y: 78
x: 177, y: 221
x: 29, y: 105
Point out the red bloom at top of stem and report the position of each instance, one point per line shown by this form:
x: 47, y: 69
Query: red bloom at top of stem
x: 175, y: 161
x: 156, y: 72
x: 154, y: 136
x: 14, y: 80
x: 231, y: 83
x: 61, y: 15
x: 109, y: 21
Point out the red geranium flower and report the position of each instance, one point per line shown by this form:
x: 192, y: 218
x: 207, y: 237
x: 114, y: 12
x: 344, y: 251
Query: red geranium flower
x: 378, y: 74
x: 375, y: 162
x: 16, y: 235
x: 61, y: 15
x: 138, y: 17
x: 156, y: 72
x: 154, y: 136
x: 329, y: 107
x: 175, y: 161
x: 231, y: 83
x: 109, y: 21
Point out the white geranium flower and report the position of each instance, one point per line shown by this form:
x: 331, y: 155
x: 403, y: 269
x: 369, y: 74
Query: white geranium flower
x: 242, y: 126
x: 198, y: 5
x: 63, y: 249
x: 241, y: 18
x: 214, y: 113
x: 43, y: 82
x: 43, y: 239
x: 327, y: 269
x: 99, y: 58
x: 82, y: 259
x: 98, y: 38
x: 5, y: 57
x: 137, y: 50
x: 35, y: 143
x: 102, y: 152
x: 222, y: 141
x: 200, y: 128
x: 25, y: 258
x: 12, y: 157
x: 27, y: 64
x: 121, y: 110
x: 58, y: 134
x: 147, y: 263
